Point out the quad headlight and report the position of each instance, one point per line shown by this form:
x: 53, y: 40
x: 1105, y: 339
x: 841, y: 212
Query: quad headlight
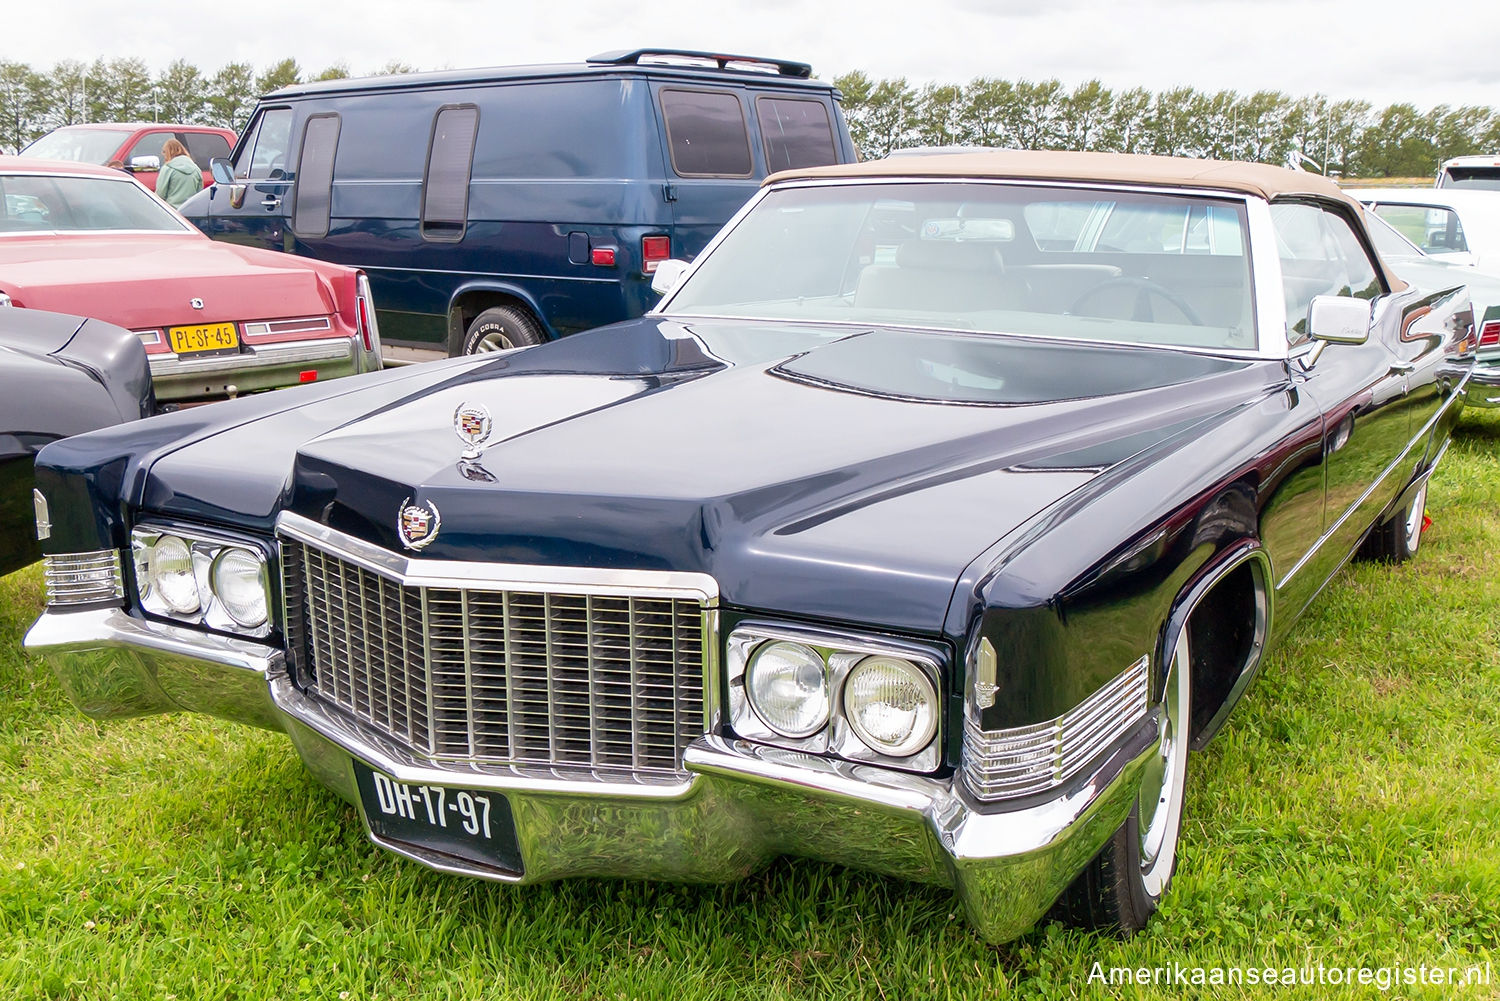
x: 862, y: 700
x: 204, y: 581
x: 787, y: 684
x: 891, y: 705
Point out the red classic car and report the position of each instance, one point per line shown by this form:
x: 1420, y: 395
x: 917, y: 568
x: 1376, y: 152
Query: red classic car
x: 216, y: 319
x: 135, y: 145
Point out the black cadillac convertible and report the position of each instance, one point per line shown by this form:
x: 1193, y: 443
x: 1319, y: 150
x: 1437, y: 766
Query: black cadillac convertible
x: 942, y: 506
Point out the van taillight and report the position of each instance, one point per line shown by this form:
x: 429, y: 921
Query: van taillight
x: 1489, y: 334
x: 654, y: 250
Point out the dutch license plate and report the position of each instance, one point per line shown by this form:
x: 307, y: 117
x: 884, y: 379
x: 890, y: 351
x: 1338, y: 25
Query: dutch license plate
x: 205, y: 337
x: 468, y: 824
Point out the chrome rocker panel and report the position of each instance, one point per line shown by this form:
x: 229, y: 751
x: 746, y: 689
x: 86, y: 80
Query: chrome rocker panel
x: 740, y: 806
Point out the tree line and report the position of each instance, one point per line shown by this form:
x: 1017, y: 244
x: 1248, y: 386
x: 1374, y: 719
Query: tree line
x: 34, y: 102
x: 1347, y: 138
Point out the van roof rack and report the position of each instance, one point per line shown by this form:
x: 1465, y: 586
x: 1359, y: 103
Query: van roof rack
x: 705, y: 60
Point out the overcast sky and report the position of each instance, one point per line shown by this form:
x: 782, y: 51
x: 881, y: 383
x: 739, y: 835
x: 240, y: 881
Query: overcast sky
x: 1383, y: 51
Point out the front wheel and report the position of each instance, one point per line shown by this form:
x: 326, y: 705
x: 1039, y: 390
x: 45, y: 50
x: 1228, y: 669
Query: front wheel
x: 1122, y: 886
x: 501, y: 328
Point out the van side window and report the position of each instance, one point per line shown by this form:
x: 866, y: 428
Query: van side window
x: 797, y: 133
x: 706, y: 132
x: 450, y: 159
x: 320, y: 141
x: 263, y: 153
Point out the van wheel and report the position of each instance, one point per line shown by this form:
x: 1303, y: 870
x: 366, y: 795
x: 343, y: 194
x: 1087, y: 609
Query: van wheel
x: 1121, y: 888
x: 501, y: 328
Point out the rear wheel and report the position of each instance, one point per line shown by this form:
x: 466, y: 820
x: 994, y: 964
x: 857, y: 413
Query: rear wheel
x: 1398, y: 538
x: 1122, y: 886
x: 501, y: 328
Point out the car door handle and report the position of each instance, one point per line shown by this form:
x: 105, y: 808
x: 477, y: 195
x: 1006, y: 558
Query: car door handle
x: 1402, y: 368
x: 271, y: 204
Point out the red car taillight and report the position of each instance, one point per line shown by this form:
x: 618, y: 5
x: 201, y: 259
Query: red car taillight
x: 1489, y: 334
x: 364, y: 313
x: 654, y: 250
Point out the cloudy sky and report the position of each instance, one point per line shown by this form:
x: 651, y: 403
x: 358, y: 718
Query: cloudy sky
x: 1378, y: 50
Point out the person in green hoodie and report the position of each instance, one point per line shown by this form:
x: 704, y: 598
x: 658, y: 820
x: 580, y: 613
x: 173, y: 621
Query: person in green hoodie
x: 180, y: 177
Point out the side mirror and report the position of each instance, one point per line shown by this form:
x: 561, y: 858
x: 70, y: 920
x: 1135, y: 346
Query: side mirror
x: 1336, y: 319
x: 222, y: 170
x: 668, y: 276
x: 143, y: 163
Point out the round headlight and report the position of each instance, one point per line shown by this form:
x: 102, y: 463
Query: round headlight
x: 239, y: 582
x: 788, y: 688
x: 171, y: 574
x: 891, y: 705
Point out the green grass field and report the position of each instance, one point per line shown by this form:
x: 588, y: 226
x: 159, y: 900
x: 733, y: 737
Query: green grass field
x: 1349, y: 816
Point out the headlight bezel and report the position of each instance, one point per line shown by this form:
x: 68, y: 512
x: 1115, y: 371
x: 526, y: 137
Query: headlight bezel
x: 206, y: 548
x: 841, y: 652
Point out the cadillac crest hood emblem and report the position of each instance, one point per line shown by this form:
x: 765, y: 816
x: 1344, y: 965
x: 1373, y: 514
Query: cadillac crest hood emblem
x: 472, y: 424
x: 417, y: 524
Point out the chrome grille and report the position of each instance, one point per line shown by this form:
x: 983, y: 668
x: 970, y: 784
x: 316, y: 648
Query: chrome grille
x: 1031, y: 759
x: 81, y: 578
x: 533, y: 677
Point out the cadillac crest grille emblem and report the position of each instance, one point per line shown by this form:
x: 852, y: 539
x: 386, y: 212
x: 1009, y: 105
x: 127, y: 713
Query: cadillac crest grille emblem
x: 417, y: 524
x: 472, y: 424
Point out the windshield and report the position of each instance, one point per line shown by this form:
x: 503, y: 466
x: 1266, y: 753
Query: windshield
x: 78, y: 145
x: 47, y: 202
x: 1480, y: 178
x: 1087, y: 264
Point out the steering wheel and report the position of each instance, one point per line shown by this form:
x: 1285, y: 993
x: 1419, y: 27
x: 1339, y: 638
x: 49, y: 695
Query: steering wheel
x: 1145, y: 289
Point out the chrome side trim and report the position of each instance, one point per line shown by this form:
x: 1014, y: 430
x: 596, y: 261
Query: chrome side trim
x: 1456, y: 394
x: 84, y: 578
x: 498, y: 576
x: 1030, y: 759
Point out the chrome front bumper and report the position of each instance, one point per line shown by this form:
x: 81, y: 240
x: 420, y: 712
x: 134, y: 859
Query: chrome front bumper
x: 739, y: 806
x: 269, y: 366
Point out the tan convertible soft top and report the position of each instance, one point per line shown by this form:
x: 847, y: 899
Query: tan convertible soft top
x: 1258, y: 179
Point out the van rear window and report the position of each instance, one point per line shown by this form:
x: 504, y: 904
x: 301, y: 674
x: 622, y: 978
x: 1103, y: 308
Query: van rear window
x: 320, y: 141
x: 797, y: 133
x: 707, y: 133
x: 450, y: 159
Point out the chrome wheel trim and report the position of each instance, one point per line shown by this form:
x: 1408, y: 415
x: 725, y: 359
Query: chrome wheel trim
x: 494, y: 340
x: 1414, y: 518
x: 1159, y: 802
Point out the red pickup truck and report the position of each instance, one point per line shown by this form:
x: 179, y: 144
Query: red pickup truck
x: 136, y: 146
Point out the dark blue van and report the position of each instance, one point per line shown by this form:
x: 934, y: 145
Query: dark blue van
x: 501, y: 207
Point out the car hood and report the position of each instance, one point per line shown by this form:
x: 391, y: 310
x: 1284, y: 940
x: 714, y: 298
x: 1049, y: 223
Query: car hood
x: 811, y: 471
x: 143, y: 281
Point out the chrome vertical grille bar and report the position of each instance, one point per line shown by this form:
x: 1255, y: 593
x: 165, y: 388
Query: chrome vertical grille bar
x: 609, y: 681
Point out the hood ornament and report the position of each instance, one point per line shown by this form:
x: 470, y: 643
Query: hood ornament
x: 472, y: 424
x: 417, y: 524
